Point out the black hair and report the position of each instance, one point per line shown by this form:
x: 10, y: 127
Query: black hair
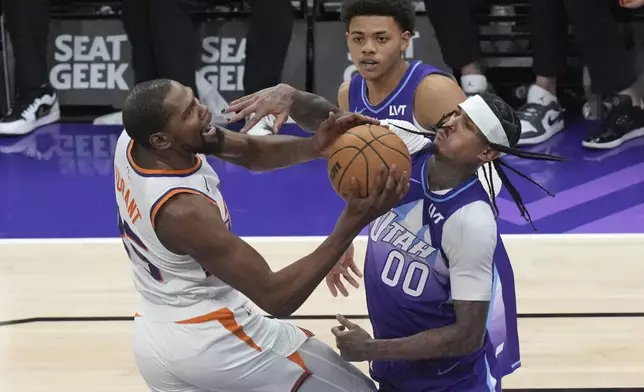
x: 402, y: 11
x: 512, y: 128
x: 144, y: 111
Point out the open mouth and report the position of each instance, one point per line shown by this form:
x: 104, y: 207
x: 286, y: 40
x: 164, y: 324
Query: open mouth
x: 209, y: 126
x: 368, y: 63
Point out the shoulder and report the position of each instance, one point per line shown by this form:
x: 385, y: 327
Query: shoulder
x: 435, y: 96
x: 438, y: 82
x: 183, y: 205
x: 186, y: 221
x: 473, y: 224
x: 343, y: 95
x: 477, y: 215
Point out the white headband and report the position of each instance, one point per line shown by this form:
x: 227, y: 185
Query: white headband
x: 485, y: 119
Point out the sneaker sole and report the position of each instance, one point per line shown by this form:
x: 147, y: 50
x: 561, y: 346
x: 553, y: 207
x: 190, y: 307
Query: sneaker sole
x: 639, y: 132
x: 50, y: 118
x: 540, y: 138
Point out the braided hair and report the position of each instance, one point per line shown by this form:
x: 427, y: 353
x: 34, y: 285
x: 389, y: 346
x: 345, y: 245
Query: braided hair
x: 511, y: 132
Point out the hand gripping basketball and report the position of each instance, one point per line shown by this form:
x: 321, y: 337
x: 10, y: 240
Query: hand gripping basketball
x: 334, y: 126
x: 385, y: 193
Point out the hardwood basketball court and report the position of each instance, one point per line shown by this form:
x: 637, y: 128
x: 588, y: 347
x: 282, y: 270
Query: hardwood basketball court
x: 66, y: 307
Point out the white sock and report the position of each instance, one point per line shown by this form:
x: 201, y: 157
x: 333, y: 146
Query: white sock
x: 537, y: 94
x: 473, y: 84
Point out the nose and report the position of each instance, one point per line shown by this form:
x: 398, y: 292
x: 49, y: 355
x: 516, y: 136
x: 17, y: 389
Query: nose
x: 203, y: 109
x: 448, y: 126
x: 368, y: 47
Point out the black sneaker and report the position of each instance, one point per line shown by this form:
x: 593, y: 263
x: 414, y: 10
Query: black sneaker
x: 623, y: 122
x: 30, y: 111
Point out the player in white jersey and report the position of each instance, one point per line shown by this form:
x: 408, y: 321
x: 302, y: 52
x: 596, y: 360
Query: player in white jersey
x: 194, y: 330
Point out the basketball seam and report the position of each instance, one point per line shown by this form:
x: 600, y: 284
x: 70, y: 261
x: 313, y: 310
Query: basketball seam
x: 375, y: 139
x: 343, y: 148
x: 349, y: 164
x: 393, y: 149
x: 368, y: 144
x: 361, y: 152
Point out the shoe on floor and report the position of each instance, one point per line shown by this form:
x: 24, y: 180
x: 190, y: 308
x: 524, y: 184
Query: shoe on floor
x: 30, y: 111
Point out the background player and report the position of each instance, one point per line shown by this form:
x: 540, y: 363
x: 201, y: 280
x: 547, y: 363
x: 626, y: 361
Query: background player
x: 387, y: 86
x: 439, y: 284
x: 194, y: 330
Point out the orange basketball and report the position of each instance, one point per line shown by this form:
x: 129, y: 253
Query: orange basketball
x: 359, y: 153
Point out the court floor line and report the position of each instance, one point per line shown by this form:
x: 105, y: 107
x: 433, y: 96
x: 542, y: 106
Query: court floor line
x: 567, y: 237
x: 317, y: 317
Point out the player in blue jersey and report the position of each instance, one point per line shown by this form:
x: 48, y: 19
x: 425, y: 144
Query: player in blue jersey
x: 439, y: 283
x: 386, y: 85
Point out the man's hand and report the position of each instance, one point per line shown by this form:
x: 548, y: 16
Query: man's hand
x: 346, y: 265
x: 351, y: 340
x: 386, y: 192
x: 307, y: 110
x: 334, y: 126
x: 275, y: 100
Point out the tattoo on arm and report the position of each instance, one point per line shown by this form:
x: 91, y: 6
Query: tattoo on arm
x: 310, y: 110
x: 260, y: 153
x: 460, y: 338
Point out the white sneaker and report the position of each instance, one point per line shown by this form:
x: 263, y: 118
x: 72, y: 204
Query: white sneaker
x: 541, y: 117
x: 263, y: 127
x: 115, y: 118
x: 29, y: 113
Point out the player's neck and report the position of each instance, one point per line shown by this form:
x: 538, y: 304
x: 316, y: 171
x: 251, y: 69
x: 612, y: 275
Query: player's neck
x: 379, y: 89
x: 442, y: 175
x: 161, y: 160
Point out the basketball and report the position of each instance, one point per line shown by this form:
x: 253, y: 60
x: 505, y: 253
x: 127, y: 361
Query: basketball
x: 359, y: 152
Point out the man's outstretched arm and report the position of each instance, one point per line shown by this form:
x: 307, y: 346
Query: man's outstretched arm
x: 310, y: 110
x: 262, y: 153
x: 306, y: 109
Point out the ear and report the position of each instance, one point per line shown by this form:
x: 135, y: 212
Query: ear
x: 488, y: 155
x: 159, y: 140
x: 346, y: 37
x: 405, y: 39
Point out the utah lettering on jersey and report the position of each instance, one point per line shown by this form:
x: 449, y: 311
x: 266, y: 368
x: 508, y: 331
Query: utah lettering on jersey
x: 387, y: 230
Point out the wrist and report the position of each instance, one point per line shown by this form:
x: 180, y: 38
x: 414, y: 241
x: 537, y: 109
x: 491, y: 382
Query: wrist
x: 376, y: 350
x: 349, y: 224
x: 308, y: 149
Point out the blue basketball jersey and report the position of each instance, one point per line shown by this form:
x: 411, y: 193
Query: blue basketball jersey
x: 407, y: 284
x: 399, y: 105
x: 406, y: 272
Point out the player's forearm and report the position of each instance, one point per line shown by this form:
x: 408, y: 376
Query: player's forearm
x: 449, y: 341
x: 293, y: 284
x: 310, y: 110
x: 278, y: 151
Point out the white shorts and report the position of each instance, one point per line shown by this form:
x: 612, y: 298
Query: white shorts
x: 215, y: 354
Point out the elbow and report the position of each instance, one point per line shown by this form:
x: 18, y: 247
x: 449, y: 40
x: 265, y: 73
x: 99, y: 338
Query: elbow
x: 472, y: 342
x: 476, y: 344
x: 278, y: 310
x: 282, y: 312
x: 277, y: 304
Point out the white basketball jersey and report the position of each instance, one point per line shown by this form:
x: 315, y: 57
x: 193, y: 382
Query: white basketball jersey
x: 173, y: 287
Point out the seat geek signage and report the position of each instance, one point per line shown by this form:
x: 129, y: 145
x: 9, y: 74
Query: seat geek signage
x: 90, y: 61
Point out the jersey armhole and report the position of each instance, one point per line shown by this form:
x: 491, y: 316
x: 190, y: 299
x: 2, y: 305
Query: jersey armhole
x: 161, y: 201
